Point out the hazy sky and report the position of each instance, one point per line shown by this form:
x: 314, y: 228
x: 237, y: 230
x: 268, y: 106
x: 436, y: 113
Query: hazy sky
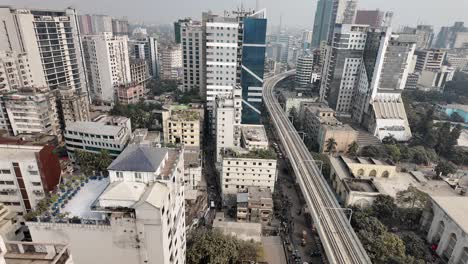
x: 294, y: 12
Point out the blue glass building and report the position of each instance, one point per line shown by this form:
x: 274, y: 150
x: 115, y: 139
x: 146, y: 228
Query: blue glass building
x: 252, y: 70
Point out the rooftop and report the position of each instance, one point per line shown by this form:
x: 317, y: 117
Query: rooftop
x: 254, y: 133
x: 80, y: 203
x: 29, y: 139
x: 455, y: 208
x: 139, y: 158
x: 142, y: 136
x: 389, y: 108
x: 244, y: 231
x: 365, y: 160
x: 185, y: 115
x: 250, y: 154
x: 360, y: 185
x: 93, y: 128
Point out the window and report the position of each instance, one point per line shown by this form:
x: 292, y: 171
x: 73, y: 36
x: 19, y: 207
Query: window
x: 34, y: 172
x: 119, y: 175
x: 36, y: 183
x: 138, y: 176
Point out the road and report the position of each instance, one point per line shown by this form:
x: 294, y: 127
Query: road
x: 339, y: 240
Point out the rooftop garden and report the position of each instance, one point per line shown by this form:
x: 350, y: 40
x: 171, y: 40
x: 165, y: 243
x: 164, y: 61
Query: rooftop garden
x: 50, y: 208
x: 252, y: 154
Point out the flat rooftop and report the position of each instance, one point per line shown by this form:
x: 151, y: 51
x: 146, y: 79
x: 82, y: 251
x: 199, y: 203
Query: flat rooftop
x: 360, y: 185
x: 80, y: 204
x: 94, y: 128
x: 33, y: 253
x: 254, y: 133
x: 365, y: 160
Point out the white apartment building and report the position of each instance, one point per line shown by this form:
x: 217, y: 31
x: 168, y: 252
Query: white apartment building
x: 31, y: 110
x: 171, y: 62
x: 222, y: 57
x: 27, y: 173
x: 15, y: 72
x: 304, y: 69
x: 108, y: 64
x: 191, y: 36
x: 227, y: 121
x: 51, y: 40
x: 135, y: 216
x: 243, y: 169
x: 110, y: 133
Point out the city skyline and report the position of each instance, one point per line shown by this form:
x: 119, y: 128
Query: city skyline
x: 436, y: 13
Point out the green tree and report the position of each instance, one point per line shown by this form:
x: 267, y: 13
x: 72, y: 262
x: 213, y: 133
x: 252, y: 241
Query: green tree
x: 445, y: 168
x: 104, y: 160
x: 415, y: 246
x: 211, y: 246
x: 390, y: 139
x: 412, y: 197
x: 353, y: 148
x: 330, y: 145
x: 381, y: 247
x: 393, y: 151
x: 384, y: 207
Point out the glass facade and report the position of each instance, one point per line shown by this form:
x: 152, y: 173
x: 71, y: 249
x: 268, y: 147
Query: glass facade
x: 253, y: 62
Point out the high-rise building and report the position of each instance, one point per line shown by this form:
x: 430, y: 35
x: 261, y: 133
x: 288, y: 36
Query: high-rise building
x: 307, y: 39
x: 108, y: 64
x: 329, y: 13
x: 304, y: 69
x: 235, y: 56
x: 191, y: 39
x: 228, y: 110
x: 136, y: 215
x: 29, y: 171
x: 139, y: 72
x: 146, y: 49
x: 95, y: 24
x: 15, y: 72
x: 447, y: 35
x: 51, y: 40
x: 171, y: 62
x: 31, y: 110
x: 72, y: 106
x: 374, y: 18
x: 342, y: 66
x: 253, y: 26
x: 424, y: 34
x: 377, y: 102
x: 120, y: 26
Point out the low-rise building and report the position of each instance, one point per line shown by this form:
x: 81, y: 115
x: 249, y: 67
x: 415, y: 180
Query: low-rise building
x: 136, y: 215
x: 255, y: 205
x: 141, y: 136
x: 435, y: 80
x: 131, y: 93
x: 242, y: 169
x: 321, y: 125
x: 358, y: 181
x: 183, y: 124
x: 110, y: 133
x: 28, y: 171
x: 448, y: 228
x: 290, y: 100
